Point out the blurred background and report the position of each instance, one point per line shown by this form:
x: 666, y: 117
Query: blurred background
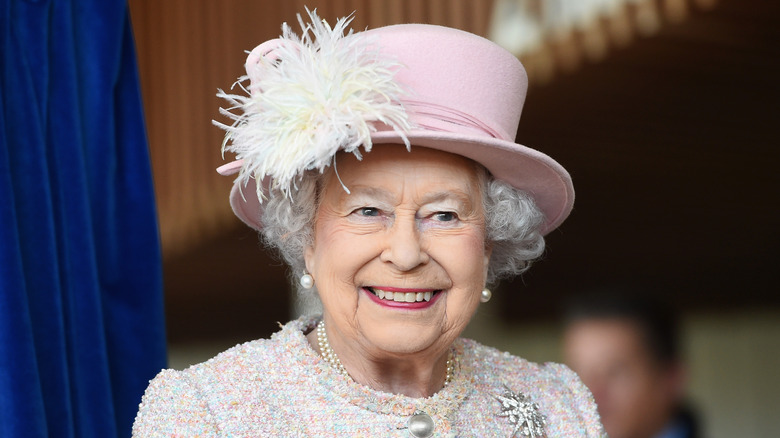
x: 664, y: 111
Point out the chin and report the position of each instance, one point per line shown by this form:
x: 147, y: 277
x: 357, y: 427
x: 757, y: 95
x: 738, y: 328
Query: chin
x: 403, y: 338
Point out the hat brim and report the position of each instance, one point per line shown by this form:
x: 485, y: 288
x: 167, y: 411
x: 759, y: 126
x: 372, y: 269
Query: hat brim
x: 522, y: 167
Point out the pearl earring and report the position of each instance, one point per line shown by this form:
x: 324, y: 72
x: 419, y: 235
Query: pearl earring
x: 486, y: 295
x: 307, y: 281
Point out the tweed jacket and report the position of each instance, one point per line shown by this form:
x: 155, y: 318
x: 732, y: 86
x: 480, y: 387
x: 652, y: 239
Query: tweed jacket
x: 280, y: 387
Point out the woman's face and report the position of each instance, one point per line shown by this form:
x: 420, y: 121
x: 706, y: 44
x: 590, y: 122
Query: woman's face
x: 413, y: 225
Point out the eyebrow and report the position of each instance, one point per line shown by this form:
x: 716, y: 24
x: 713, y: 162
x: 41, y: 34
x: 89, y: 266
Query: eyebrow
x: 458, y: 195
x: 375, y: 194
x: 367, y: 193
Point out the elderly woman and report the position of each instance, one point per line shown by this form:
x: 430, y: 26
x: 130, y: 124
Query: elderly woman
x: 382, y: 165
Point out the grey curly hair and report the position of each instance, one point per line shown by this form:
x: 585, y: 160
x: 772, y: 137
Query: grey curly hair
x: 512, y: 225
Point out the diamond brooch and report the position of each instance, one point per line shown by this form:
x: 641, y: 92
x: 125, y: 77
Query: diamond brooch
x: 523, y: 414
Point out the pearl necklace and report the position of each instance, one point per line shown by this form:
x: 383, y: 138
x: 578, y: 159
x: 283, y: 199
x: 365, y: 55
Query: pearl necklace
x: 330, y: 356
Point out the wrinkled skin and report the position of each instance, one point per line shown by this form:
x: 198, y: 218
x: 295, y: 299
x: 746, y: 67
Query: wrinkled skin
x: 413, y: 221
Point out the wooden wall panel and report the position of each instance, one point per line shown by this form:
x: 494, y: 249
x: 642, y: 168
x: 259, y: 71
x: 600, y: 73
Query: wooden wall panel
x: 189, y: 48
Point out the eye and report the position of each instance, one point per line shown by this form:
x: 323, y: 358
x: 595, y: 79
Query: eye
x: 368, y: 215
x: 445, y: 216
x: 367, y: 211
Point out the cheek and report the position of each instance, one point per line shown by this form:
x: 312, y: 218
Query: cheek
x: 338, y: 253
x: 465, y: 258
x: 629, y: 391
x: 464, y: 261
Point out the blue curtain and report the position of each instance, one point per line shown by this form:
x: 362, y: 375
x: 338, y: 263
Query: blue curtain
x: 81, y: 315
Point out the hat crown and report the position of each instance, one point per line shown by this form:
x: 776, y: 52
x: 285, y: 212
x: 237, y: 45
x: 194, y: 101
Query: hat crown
x: 457, y: 81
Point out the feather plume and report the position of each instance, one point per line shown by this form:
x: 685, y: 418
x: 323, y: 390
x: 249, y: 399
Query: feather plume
x: 308, y: 97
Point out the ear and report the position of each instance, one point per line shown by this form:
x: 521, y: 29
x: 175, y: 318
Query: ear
x: 308, y: 258
x: 488, y: 253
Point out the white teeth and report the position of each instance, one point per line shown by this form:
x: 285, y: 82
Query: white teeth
x: 403, y: 297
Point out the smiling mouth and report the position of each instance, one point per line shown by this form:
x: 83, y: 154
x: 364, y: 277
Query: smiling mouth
x: 403, y: 297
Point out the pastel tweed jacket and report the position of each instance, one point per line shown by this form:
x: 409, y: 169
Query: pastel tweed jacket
x: 280, y: 387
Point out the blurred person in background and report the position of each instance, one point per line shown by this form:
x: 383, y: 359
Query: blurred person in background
x: 626, y: 350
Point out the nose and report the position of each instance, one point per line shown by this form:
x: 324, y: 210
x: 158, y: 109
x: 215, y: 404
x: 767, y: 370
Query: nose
x: 403, y: 247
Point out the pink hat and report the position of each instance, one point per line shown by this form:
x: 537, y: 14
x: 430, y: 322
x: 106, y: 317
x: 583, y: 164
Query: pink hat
x: 464, y: 95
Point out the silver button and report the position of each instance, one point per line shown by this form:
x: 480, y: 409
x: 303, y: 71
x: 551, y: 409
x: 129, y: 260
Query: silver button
x: 420, y: 425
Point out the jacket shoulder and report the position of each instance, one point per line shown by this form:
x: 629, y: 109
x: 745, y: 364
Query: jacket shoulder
x: 562, y: 398
x: 174, y: 406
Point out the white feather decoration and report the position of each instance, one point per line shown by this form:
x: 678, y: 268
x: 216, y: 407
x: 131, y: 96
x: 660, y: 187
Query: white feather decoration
x: 311, y: 96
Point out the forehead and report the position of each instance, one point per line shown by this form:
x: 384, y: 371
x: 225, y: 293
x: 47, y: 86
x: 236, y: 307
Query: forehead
x: 606, y: 339
x: 390, y: 169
